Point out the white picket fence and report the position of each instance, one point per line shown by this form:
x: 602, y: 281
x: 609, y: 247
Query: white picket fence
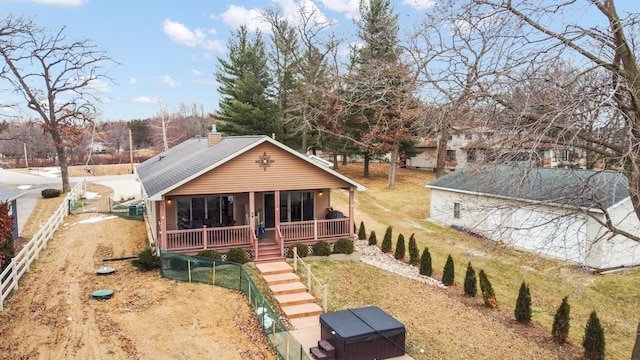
x: 29, y: 253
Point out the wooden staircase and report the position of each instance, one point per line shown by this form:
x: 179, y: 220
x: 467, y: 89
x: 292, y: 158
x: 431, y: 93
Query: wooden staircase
x: 269, y: 252
x: 292, y: 296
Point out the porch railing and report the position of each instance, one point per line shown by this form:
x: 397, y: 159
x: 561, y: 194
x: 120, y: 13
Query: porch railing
x: 315, y: 229
x: 194, y: 239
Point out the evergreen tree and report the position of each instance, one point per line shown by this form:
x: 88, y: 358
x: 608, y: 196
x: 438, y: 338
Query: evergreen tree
x: 386, y: 242
x: 425, y: 263
x: 362, y: 233
x: 448, y: 272
x: 372, y: 238
x: 400, y: 248
x: 560, y: 329
x: 523, y: 305
x: 7, y: 250
x: 593, y: 341
x: 414, y: 252
x: 470, y: 282
x: 247, y: 105
x: 488, y: 295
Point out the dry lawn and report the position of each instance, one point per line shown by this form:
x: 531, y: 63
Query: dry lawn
x: 53, y: 315
x: 448, y: 325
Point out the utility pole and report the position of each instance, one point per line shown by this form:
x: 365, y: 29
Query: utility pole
x: 131, y: 150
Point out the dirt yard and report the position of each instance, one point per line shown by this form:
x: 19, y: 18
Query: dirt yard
x: 53, y: 315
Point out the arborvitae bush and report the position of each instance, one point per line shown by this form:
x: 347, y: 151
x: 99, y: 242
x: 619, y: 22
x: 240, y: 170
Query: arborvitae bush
x: 343, y: 246
x: 386, y: 242
x: 593, y: 341
x: 401, y: 250
x: 50, y: 193
x: 303, y: 250
x: 448, y: 272
x: 414, y: 252
x: 362, y: 233
x: 7, y: 249
x: 470, y: 282
x: 488, y: 295
x: 321, y: 248
x: 560, y: 329
x: 146, y: 260
x: 210, y: 254
x: 425, y: 263
x: 372, y: 238
x: 237, y: 255
x: 522, y: 311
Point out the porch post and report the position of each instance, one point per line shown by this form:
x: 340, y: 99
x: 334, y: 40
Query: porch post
x: 252, y: 223
x: 351, y: 212
x: 276, y: 202
x: 163, y: 225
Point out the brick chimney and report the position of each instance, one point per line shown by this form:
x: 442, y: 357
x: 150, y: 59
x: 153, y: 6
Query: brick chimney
x: 214, y: 136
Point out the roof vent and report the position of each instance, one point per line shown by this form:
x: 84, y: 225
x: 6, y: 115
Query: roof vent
x: 160, y: 157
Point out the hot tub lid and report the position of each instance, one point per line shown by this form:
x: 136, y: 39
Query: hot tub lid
x: 361, y: 324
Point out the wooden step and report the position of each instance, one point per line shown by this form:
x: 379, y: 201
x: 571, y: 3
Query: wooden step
x: 317, y: 353
x: 295, y: 299
x: 297, y: 311
x: 276, y: 279
x: 287, y: 288
x: 277, y: 267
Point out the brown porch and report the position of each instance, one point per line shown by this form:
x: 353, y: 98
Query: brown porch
x: 261, y: 246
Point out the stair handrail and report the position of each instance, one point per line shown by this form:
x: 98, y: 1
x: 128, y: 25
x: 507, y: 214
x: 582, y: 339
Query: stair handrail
x: 310, y: 275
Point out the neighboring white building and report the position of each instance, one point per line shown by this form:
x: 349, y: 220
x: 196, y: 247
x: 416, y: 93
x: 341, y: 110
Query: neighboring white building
x: 552, y: 211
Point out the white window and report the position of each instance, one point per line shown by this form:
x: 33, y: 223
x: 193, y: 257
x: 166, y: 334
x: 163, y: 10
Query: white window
x: 456, y: 210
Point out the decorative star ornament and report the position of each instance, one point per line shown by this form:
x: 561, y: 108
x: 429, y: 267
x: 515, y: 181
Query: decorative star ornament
x: 264, y: 161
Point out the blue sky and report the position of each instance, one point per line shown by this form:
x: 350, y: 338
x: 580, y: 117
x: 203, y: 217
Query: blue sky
x: 167, y: 50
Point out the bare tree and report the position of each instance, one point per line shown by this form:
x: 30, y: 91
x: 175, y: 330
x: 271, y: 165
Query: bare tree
x: 55, y: 76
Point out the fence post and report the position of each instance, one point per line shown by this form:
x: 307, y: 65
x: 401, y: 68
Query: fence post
x: 14, y: 273
x: 324, y: 298
x: 213, y: 273
x: 189, y: 268
x: 309, y: 277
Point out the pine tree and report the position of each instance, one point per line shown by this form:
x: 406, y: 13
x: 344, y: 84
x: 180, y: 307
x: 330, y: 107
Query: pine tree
x: 425, y: 263
x: 470, y: 282
x: 560, y: 329
x: 488, y: 295
x: 386, y: 242
x: 414, y: 252
x: 400, y: 248
x: 523, y: 305
x: 593, y: 341
x: 448, y: 272
x: 247, y: 105
x: 372, y: 238
x: 362, y: 233
x: 7, y: 250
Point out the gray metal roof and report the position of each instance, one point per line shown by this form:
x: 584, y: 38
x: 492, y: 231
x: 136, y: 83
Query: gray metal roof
x: 8, y: 194
x: 568, y: 187
x: 193, y: 157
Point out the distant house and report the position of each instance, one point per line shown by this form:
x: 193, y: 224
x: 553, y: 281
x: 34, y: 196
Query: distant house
x: 10, y: 196
x: 250, y: 192
x: 557, y: 212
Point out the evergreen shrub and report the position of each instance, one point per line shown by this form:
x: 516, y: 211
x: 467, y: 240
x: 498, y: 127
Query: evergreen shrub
x: 448, y: 272
x: 522, y: 311
x: 470, y: 282
x: 400, y: 248
x: 386, y: 242
x: 321, y: 248
x: 343, y: 246
x: 414, y: 252
x: 425, y: 263
x: 372, y: 238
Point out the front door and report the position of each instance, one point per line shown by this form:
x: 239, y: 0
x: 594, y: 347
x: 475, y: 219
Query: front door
x: 269, y: 211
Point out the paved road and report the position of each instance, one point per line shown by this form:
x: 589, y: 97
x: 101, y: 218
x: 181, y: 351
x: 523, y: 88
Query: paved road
x: 125, y: 187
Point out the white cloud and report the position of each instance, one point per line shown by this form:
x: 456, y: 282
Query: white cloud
x: 60, y: 2
x: 180, y: 34
x: 145, y: 100
x: 419, y: 4
x: 349, y: 7
x: 132, y: 80
x: 235, y: 16
x: 98, y: 86
x: 168, y: 81
x: 195, y: 72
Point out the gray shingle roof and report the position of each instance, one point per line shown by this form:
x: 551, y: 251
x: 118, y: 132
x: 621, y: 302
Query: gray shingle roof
x: 8, y: 194
x: 187, y: 159
x: 570, y: 187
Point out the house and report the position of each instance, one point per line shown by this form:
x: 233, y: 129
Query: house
x: 250, y: 192
x: 557, y: 212
x: 10, y: 197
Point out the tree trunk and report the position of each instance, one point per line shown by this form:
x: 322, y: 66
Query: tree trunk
x: 335, y: 161
x: 635, y: 353
x: 303, y: 147
x: 344, y: 159
x: 64, y: 168
x: 393, y: 164
x: 442, y: 151
x: 367, y: 158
